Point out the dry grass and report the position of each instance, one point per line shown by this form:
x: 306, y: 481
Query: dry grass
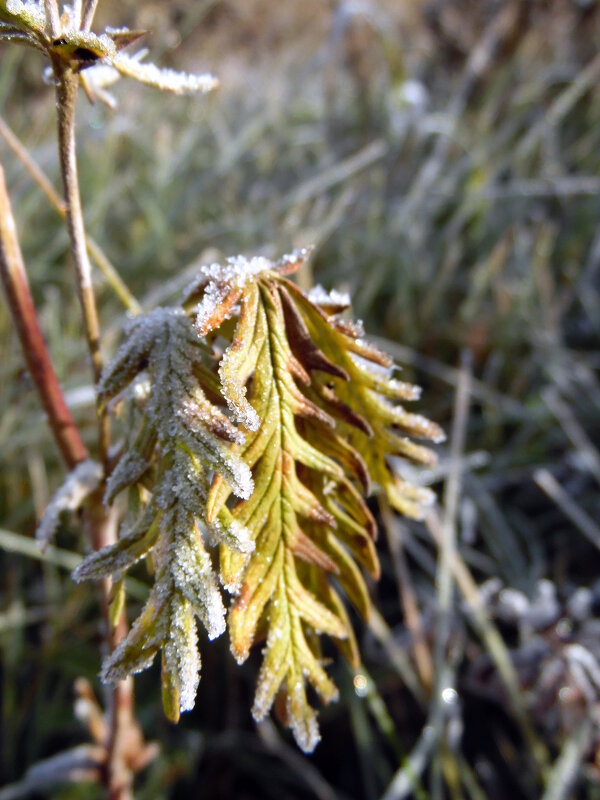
x: 457, y: 197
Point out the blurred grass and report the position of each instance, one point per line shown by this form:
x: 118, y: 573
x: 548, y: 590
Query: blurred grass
x: 444, y: 159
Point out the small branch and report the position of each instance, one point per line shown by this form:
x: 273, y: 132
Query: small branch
x: 20, y: 301
x: 52, y: 17
x: 88, y: 14
x: 101, y: 523
x: 408, y: 598
x: 77, y: 13
x: 100, y: 258
x: 446, y: 552
x: 66, y: 97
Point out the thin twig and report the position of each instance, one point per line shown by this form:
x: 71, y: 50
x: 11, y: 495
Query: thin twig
x: 548, y: 483
x: 586, y: 449
x: 398, y: 658
x: 408, y: 598
x: 567, y: 768
x: 66, y: 97
x: 20, y: 301
x: 100, y: 522
x: 88, y: 14
x: 76, y: 7
x: 101, y: 260
x: 52, y: 17
x: 447, y: 547
x: 494, y: 643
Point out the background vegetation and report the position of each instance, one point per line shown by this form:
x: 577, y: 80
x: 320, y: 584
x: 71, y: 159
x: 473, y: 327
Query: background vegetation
x: 443, y: 157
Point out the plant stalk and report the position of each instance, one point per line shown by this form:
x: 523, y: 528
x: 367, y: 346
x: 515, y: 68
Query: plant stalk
x: 88, y: 14
x: 95, y: 252
x: 100, y: 522
x: 66, y: 98
x: 52, y: 17
x: 20, y: 302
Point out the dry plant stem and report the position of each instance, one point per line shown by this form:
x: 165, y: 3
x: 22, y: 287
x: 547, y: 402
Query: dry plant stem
x: 52, y: 17
x: 446, y: 548
x: 18, y: 295
x: 109, y: 272
x: 493, y: 641
x: 101, y: 523
x: 408, y: 598
x: 89, y: 11
x: 66, y: 97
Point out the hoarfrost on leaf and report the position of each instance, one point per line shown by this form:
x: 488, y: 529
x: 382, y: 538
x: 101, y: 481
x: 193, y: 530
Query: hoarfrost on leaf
x: 78, y: 485
x: 321, y: 297
x: 166, y: 79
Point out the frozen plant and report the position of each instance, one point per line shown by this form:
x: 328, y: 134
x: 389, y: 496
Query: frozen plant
x: 319, y: 416
x: 259, y: 420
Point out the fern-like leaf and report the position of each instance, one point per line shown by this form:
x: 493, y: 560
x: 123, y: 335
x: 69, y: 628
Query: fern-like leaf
x: 324, y: 429
x: 183, y: 438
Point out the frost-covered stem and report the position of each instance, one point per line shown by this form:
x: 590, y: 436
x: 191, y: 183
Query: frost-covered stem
x: 88, y: 14
x: 66, y: 97
x: 20, y: 302
x: 101, y: 522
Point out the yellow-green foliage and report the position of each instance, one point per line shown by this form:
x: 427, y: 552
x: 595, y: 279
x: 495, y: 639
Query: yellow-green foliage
x: 258, y: 390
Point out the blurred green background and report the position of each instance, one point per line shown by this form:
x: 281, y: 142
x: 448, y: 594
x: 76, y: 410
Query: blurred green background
x: 443, y: 157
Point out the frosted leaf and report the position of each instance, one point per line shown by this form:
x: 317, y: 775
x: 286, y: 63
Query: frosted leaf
x: 100, y: 76
x: 141, y: 336
x: 182, y: 658
x: 136, y: 652
x: 234, y: 535
x: 235, y: 396
x: 133, y: 545
x: 302, y: 719
x: 129, y: 470
x: 30, y: 13
x: 193, y: 575
x: 321, y: 297
x: 103, y: 46
x: 78, y: 485
x: 166, y: 79
x: 218, y: 282
x: 291, y: 261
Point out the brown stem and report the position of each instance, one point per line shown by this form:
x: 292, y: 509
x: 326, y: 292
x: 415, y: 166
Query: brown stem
x: 101, y: 522
x: 20, y: 301
x: 66, y: 97
x: 109, y: 272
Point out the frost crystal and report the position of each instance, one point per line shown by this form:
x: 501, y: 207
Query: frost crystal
x: 30, y: 13
x: 321, y: 297
x: 78, y: 485
x: 166, y: 79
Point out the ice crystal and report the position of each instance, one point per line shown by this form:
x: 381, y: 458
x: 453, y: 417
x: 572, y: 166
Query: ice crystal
x: 78, y: 485
x: 29, y: 13
x: 333, y: 299
x: 166, y: 79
